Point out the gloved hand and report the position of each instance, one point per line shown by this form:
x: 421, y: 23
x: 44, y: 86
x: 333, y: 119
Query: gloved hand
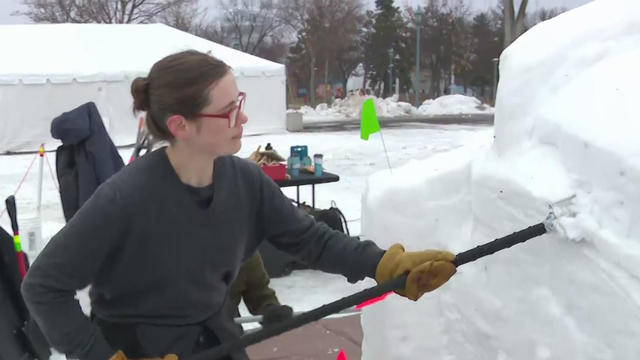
x: 121, y: 356
x: 273, y: 314
x: 427, y: 269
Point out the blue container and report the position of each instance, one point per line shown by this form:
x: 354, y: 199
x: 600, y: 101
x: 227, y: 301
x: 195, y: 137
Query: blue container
x: 303, y: 153
x: 301, y: 150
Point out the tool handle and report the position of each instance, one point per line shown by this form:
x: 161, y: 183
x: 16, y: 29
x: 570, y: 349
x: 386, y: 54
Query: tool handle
x: 302, y: 319
x: 500, y: 244
x: 352, y: 300
x: 13, y: 213
x: 22, y: 264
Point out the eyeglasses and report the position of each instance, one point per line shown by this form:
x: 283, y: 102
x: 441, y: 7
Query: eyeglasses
x: 231, y: 115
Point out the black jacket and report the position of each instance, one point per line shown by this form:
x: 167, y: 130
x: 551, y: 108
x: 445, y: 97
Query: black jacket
x: 86, y: 158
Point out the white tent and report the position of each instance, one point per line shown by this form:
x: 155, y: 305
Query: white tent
x: 47, y: 69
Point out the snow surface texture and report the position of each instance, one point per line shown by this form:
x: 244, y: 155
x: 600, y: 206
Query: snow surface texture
x: 349, y: 108
x: 564, y: 124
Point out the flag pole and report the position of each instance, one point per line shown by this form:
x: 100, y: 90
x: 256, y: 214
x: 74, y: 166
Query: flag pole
x: 386, y: 154
x: 369, y: 125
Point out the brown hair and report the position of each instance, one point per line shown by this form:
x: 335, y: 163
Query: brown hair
x: 176, y: 84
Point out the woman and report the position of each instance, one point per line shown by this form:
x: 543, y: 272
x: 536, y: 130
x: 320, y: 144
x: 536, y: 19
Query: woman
x: 161, y: 241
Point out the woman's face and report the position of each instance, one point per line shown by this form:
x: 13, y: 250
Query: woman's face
x: 214, y: 135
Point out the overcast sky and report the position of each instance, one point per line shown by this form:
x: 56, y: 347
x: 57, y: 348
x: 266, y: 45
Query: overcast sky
x: 9, y: 6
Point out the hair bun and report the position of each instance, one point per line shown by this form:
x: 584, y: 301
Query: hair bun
x: 140, y: 93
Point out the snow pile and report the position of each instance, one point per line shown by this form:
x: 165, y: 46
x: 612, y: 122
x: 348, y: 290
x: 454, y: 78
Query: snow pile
x: 454, y: 105
x: 349, y: 108
x: 565, y: 124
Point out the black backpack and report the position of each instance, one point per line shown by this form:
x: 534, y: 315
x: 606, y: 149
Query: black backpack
x: 333, y: 217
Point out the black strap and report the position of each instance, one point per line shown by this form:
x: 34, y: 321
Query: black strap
x: 342, y: 217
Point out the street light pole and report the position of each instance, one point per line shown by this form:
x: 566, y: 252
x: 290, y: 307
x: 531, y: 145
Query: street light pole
x: 495, y: 78
x: 390, y: 71
x: 418, y: 15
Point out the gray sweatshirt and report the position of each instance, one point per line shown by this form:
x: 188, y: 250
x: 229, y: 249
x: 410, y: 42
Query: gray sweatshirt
x: 154, y: 256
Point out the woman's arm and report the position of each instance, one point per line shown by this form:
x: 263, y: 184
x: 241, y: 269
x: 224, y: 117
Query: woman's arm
x: 68, y: 263
x: 295, y: 232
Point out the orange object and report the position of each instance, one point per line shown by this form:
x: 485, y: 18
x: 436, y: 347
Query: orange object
x: 275, y: 171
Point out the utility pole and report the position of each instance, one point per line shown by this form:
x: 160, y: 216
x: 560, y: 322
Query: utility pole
x: 390, y: 71
x: 418, y: 25
x: 495, y: 62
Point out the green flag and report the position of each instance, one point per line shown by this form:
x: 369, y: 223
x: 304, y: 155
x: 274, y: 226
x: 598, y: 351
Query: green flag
x: 368, y: 120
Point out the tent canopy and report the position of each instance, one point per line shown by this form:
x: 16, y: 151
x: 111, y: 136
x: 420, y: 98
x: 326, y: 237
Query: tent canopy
x: 47, y: 69
x: 61, y: 53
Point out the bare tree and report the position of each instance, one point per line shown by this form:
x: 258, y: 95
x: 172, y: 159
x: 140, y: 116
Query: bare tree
x: 275, y: 50
x: 447, y: 42
x: 251, y: 23
x: 514, y: 25
x: 293, y: 13
x: 487, y: 45
x: 187, y: 16
x: 462, y: 41
x: 544, y: 14
x: 216, y: 32
x: 97, y: 11
x: 336, y: 52
x: 387, y: 47
x: 329, y: 29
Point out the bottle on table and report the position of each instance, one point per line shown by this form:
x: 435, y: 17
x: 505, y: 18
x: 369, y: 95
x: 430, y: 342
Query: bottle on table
x: 317, y: 164
x: 293, y: 164
x: 305, y: 160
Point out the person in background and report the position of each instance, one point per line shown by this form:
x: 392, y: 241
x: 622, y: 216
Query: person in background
x: 161, y: 241
x: 252, y: 286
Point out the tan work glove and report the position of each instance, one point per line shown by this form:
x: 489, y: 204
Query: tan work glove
x: 121, y: 356
x: 427, y: 269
